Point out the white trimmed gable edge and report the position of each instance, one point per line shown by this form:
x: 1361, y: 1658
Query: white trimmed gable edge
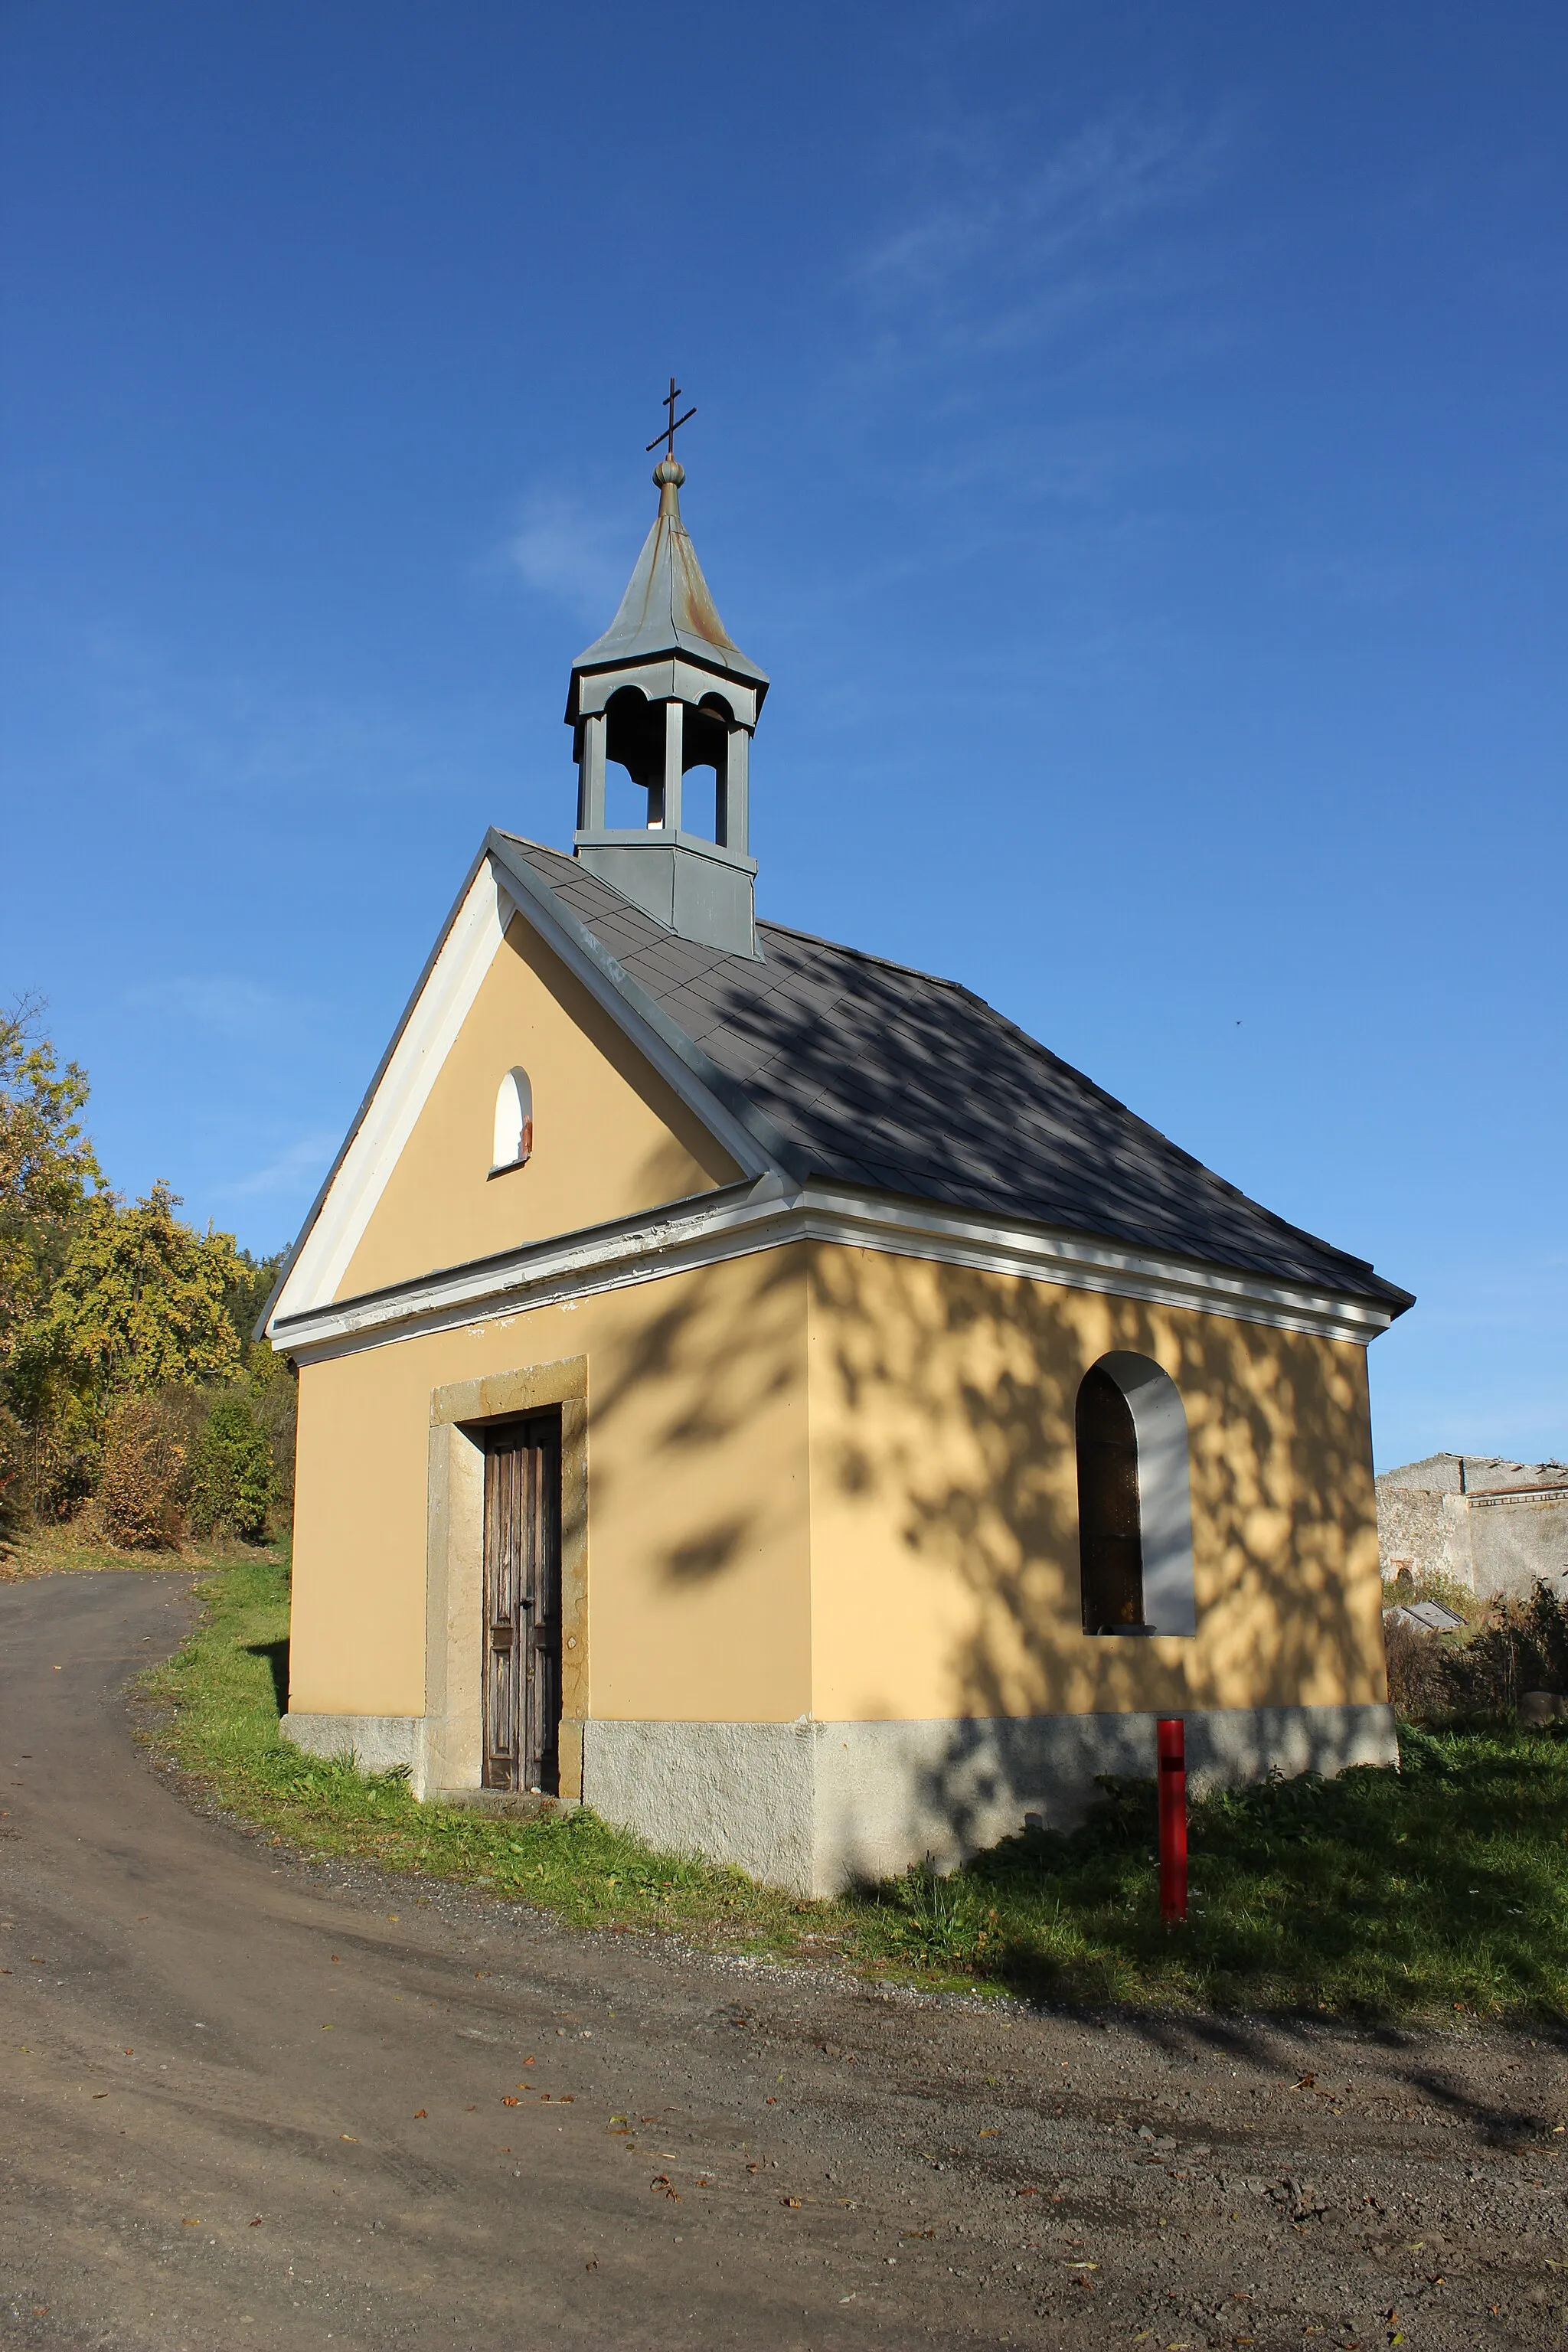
x: 401, y: 1088
x: 499, y: 887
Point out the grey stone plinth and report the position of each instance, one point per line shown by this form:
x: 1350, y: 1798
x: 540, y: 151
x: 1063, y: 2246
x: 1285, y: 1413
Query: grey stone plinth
x: 816, y: 1806
x: 740, y: 1793
x: 376, y: 1743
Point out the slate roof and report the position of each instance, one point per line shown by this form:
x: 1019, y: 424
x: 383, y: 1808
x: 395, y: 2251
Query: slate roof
x: 880, y: 1076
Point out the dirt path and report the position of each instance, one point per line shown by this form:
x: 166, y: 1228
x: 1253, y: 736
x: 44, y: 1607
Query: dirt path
x: 249, y: 2100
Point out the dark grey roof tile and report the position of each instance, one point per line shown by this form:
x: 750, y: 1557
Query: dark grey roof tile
x: 878, y: 1075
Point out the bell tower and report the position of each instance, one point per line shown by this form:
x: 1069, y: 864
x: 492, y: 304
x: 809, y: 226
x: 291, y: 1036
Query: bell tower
x: 665, y: 690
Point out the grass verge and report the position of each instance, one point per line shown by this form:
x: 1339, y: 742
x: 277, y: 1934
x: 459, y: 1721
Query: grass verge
x: 1441, y: 1888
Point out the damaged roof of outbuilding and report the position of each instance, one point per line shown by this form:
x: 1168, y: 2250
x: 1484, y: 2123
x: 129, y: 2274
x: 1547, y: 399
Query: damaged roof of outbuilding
x: 872, y: 1075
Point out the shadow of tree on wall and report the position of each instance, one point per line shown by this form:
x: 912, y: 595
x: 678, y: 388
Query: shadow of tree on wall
x: 696, y: 1377
x: 951, y: 1420
x: 709, y: 1554
x: 950, y: 1431
x: 955, y: 1423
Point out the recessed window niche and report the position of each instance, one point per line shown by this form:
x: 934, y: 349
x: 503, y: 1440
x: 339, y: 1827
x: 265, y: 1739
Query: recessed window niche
x: 513, y: 1143
x: 1135, y: 1524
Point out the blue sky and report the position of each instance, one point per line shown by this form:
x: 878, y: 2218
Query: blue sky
x: 1131, y: 437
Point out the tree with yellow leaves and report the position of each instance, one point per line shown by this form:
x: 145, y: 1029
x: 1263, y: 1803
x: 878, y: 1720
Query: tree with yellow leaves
x: 141, y: 1302
x: 100, y: 1303
x: 47, y: 1170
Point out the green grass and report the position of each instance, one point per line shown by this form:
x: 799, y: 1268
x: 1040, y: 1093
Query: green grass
x: 1439, y: 1888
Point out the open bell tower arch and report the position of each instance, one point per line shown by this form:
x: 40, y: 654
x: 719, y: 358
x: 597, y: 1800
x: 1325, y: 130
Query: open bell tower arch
x: 664, y: 690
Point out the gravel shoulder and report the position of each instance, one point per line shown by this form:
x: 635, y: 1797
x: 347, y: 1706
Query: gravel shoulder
x: 252, y: 2097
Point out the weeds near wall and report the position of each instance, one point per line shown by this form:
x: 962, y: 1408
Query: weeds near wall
x: 1479, y: 1676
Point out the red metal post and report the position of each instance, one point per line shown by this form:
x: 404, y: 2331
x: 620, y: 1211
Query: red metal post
x: 1172, y: 1781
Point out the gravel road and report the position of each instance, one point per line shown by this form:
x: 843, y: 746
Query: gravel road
x: 250, y: 2099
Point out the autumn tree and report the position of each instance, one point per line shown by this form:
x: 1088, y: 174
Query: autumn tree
x: 112, y: 1318
x: 47, y: 1170
x: 47, y: 1175
x: 141, y: 1302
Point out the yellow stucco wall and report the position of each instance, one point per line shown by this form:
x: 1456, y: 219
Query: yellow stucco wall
x: 610, y: 1137
x: 821, y: 1480
x: 944, y: 1514
x: 826, y: 1481
x: 698, y: 1554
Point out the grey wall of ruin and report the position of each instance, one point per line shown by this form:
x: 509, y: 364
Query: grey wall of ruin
x: 1473, y: 1519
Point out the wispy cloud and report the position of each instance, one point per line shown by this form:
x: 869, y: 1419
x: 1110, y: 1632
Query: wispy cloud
x: 299, y: 1170
x: 566, y: 551
x: 1002, y: 244
x: 113, y: 708
x: 1371, y: 576
x: 238, y: 1009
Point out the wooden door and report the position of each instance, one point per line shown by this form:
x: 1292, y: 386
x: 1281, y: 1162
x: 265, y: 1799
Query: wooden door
x: 522, y: 1605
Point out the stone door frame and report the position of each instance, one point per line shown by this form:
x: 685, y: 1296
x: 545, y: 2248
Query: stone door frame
x: 452, y: 1748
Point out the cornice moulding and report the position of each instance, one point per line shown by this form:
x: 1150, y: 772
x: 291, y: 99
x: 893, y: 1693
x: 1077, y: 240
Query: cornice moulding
x: 740, y: 1220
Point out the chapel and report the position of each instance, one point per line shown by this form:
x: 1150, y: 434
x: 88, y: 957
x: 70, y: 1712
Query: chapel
x: 752, y: 1389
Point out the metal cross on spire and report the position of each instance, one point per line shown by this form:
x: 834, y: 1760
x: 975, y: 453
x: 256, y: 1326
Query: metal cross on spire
x: 675, y: 423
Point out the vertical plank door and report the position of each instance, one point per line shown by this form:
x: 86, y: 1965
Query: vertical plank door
x: 522, y: 1605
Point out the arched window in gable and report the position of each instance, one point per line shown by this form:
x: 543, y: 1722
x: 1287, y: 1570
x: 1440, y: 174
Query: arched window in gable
x: 1135, y: 1525
x: 514, y: 1123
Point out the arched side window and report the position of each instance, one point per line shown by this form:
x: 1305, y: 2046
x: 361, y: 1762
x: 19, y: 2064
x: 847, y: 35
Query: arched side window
x: 1135, y: 1518
x: 514, y: 1123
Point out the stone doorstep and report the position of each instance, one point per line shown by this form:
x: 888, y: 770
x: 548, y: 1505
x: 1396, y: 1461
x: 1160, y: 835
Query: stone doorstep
x: 511, y: 1804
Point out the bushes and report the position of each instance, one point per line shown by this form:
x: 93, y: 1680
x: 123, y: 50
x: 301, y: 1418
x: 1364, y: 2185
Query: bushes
x: 13, y: 1467
x: 1480, y: 1676
x: 184, y: 1459
x: 273, y: 1387
x: 141, y: 1485
x: 231, y: 1473
x: 1417, y: 1686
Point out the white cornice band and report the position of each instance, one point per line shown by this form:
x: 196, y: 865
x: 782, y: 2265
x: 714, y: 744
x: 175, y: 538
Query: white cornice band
x: 739, y: 1221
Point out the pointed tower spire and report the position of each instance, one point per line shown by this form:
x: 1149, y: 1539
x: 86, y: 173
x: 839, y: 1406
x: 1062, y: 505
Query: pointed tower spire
x: 666, y: 690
